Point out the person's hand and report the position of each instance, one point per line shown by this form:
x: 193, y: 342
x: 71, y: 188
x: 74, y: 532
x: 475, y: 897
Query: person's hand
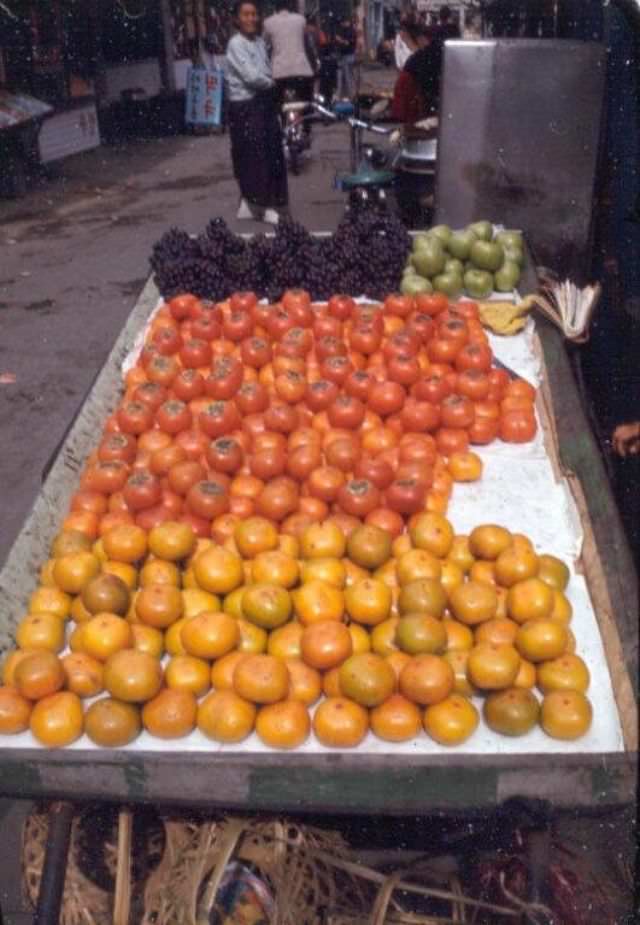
x: 626, y: 439
x: 428, y: 124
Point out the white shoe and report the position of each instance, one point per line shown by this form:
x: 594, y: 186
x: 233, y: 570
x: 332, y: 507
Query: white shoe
x: 247, y: 211
x: 271, y: 216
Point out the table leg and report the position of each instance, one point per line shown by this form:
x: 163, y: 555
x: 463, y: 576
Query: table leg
x: 55, y: 864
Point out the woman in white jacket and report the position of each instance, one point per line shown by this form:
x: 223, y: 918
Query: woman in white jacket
x: 254, y: 126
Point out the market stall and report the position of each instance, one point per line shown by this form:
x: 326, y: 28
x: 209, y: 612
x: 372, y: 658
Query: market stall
x: 46, y: 51
x: 21, y: 119
x: 554, y: 473
x: 597, y: 767
x: 552, y: 489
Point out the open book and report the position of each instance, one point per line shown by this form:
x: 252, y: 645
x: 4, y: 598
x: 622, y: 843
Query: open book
x: 567, y: 306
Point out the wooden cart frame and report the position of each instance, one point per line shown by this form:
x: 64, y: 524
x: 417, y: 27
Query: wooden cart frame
x: 345, y: 783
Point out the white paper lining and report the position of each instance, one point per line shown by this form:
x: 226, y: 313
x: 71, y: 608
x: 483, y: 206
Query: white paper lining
x: 518, y: 490
x: 604, y: 735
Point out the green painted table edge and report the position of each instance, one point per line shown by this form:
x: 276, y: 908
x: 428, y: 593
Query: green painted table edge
x: 326, y: 783
x: 580, y: 454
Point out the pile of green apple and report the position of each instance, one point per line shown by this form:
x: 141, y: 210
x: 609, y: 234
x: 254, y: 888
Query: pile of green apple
x: 473, y: 262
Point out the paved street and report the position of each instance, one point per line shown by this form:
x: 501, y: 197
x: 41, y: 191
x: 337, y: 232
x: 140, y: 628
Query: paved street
x: 74, y: 258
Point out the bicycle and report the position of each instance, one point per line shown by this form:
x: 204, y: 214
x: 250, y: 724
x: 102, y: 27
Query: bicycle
x: 367, y: 178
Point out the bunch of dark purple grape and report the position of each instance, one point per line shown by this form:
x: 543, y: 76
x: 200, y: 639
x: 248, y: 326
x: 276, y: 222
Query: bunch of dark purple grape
x: 365, y: 256
x: 373, y: 247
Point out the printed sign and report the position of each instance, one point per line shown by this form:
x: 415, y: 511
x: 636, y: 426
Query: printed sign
x: 204, y: 96
x: 69, y: 132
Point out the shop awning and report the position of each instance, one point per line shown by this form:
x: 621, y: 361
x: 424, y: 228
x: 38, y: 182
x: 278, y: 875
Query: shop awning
x: 17, y: 108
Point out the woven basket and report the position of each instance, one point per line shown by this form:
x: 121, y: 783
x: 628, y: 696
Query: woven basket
x: 310, y: 872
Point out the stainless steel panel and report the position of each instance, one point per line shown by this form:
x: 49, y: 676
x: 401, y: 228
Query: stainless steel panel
x: 518, y: 141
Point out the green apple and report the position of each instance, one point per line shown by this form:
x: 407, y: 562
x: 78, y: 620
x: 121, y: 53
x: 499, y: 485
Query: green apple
x: 459, y: 244
x: 409, y: 270
x: 510, y: 239
x: 414, y: 285
x: 482, y: 230
x: 429, y: 260
x: 420, y: 241
x: 452, y: 265
x: 514, y: 254
x: 507, y: 277
x: 487, y: 256
x: 441, y: 232
x: 449, y: 283
x: 478, y: 283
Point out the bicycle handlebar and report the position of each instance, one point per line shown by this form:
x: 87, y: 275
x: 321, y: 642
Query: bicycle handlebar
x: 351, y: 120
x: 369, y: 126
x: 325, y: 112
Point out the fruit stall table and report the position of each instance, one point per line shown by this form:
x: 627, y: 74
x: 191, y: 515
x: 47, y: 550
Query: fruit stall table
x: 355, y: 781
x: 384, y: 781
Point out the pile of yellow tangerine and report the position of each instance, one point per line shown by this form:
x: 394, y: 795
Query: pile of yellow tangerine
x: 168, y: 632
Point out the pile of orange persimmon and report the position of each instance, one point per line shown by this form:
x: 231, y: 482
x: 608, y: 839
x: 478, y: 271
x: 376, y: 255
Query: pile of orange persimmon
x: 336, y: 632
x: 260, y: 536
x: 297, y: 412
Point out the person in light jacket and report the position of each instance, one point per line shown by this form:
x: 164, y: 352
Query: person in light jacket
x: 254, y: 125
x: 292, y: 56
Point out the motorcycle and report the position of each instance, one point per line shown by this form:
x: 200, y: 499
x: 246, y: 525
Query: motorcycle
x: 296, y: 138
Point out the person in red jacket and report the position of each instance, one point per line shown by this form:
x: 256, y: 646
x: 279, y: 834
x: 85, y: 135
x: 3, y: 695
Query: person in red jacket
x: 417, y: 90
x: 408, y: 104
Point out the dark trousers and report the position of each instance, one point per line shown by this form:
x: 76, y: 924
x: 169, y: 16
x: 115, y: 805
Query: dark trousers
x: 328, y: 77
x: 256, y: 151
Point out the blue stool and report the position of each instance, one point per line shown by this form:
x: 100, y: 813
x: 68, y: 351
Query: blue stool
x: 344, y: 109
